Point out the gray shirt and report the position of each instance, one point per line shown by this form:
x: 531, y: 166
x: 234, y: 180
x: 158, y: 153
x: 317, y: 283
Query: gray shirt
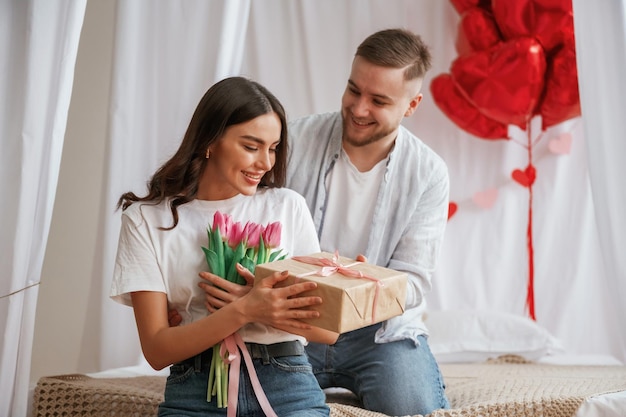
x: 410, y: 213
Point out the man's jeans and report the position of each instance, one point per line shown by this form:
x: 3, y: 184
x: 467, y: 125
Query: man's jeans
x: 396, y: 378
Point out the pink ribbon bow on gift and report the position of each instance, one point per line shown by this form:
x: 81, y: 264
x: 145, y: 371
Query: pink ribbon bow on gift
x: 232, y: 345
x: 331, y: 266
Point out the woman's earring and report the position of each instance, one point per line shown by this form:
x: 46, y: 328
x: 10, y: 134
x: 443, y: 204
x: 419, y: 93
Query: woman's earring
x: 208, y: 153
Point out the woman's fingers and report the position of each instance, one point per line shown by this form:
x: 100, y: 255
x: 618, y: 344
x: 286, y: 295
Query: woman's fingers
x: 292, y: 294
x: 293, y: 289
x: 300, y: 302
x: 219, y: 291
x: 216, y: 281
x: 247, y: 275
x: 213, y: 293
x: 283, y: 305
x: 273, y: 279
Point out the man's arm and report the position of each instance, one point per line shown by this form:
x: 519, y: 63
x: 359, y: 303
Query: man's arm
x: 419, y: 246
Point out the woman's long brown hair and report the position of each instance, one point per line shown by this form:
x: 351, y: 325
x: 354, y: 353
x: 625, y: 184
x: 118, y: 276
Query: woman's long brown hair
x: 230, y: 101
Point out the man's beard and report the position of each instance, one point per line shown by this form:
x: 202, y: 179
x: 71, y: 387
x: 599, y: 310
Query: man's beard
x: 367, y: 141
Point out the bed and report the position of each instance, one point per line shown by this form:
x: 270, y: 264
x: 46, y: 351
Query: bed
x: 493, y: 365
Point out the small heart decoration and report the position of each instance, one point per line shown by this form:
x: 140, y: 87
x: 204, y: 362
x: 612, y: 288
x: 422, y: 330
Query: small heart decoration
x: 561, y: 145
x: 526, y: 177
x: 485, y: 199
x: 452, y: 207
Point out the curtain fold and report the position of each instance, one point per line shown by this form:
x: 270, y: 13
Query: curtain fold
x: 39, y: 45
x: 601, y: 60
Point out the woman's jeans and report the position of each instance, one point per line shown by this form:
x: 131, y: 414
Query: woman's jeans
x: 288, y: 383
x: 396, y: 378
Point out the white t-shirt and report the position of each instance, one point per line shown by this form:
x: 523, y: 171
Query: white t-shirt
x: 349, y: 210
x: 151, y: 259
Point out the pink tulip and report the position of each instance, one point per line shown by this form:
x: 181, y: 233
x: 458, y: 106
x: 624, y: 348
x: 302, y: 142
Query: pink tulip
x: 253, y: 232
x: 271, y: 235
x: 236, y: 234
x: 223, y: 222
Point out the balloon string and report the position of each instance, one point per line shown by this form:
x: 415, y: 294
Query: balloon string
x: 530, y: 298
x: 538, y: 139
x: 531, y: 268
x: 519, y: 142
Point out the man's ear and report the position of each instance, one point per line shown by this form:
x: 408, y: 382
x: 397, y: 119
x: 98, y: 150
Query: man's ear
x: 415, y: 101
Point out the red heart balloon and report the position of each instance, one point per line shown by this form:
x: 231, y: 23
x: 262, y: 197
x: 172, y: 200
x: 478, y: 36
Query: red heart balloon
x: 452, y: 207
x: 504, y: 82
x: 462, y: 5
x: 561, y: 100
x: 525, y: 177
x: 477, y: 31
x: 549, y: 21
x: 454, y: 105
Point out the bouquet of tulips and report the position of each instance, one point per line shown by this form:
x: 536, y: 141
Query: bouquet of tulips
x: 230, y: 243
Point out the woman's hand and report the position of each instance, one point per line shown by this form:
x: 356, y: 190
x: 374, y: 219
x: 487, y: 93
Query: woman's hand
x: 218, y: 291
x: 280, y: 307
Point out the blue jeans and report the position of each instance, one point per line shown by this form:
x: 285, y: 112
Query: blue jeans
x: 287, y: 381
x: 396, y: 378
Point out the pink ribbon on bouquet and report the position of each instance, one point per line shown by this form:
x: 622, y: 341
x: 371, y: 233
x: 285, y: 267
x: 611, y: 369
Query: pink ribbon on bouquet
x: 232, y: 345
x: 331, y: 266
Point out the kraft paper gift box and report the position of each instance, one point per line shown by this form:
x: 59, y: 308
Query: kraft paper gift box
x: 349, y: 303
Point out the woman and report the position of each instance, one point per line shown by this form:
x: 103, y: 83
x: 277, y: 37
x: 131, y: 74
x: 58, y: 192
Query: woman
x: 232, y: 159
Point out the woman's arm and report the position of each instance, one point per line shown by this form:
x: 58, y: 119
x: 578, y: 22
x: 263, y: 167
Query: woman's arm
x: 220, y: 292
x: 163, y: 344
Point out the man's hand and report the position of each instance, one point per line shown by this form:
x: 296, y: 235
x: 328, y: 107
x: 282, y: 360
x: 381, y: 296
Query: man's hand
x: 174, y: 318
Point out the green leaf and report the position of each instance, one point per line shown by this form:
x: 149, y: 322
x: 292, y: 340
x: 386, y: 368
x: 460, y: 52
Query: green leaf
x: 210, y: 238
x: 212, y: 260
x: 249, y: 264
x: 250, y: 253
x: 231, y: 274
x: 274, y: 256
x: 229, y: 255
x: 260, y: 259
x: 218, y: 247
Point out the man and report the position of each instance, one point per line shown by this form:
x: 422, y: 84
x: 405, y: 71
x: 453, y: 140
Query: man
x: 375, y: 189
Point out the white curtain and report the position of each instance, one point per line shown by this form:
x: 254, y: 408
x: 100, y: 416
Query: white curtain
x: 39, y: 42
x: 167, y: 55
x: 601, y: 44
